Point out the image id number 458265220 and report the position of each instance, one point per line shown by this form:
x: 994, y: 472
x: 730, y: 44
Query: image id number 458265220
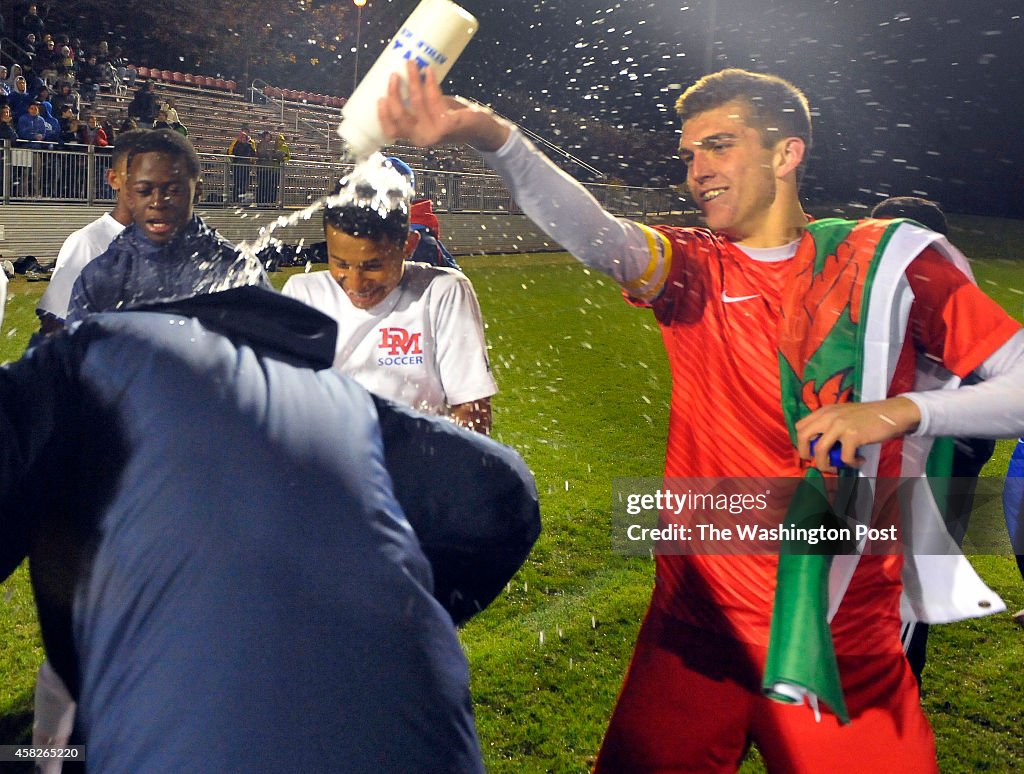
x: 12, y: 753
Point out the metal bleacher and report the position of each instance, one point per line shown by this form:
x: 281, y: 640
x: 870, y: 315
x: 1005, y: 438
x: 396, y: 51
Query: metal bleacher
x: 214, y: 110
x: 471, y: 203
x: 214, y: 115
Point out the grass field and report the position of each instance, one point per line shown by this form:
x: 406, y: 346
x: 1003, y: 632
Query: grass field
x: 584, y: 398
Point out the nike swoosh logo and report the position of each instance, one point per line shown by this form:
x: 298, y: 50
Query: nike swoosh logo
x: 727, y: 299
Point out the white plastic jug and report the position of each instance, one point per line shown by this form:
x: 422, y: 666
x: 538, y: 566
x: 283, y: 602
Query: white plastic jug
x: 433, y: 36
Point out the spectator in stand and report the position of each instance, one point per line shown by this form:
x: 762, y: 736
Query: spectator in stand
x: 452, y: 164
x: 50, y: 164
x: 67, y: 96
x: 5, y: 88
x: 424, y: 225
x: 53, y: 63
x: 77, y: 49
x: 72, y: 167
x: 91, y: 133
x: 167, y: 118
x: 8, y: 131
x: 89, y: 78
x: 20, y: 99
x: 28, y: 45
x: 169, y: 109
x: 431, y: 162
x: 107, y: 124
x: 32, y: 23
x: 47, y: 60
x: 283, y: 153
x: 109, y: 76
x: 32, y: 127
x: 34, y: 82
x: 64, y: 115
x: 67, y: 66
x: 271, y: 153
x: 13, y: 76
x: 33, y: 131
x: 264, y: 161
x: 243, y: 152
x: 52, y: 122
x: 64, y: 79
x: 144, y: 106
x: 126, y: 72
x: 161, y: 120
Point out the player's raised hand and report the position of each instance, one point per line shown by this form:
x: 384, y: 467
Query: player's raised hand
x: 854, y: 425
x: 428, y: 117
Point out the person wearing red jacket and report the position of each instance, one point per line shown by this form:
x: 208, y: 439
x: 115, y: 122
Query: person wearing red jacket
x: 91, y: 133
x: 424, y: 222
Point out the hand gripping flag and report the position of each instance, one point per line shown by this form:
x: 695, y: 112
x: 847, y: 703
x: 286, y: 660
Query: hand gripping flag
x: 820, y: 346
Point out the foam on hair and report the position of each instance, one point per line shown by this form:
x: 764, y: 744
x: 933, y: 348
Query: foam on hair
x: 371, y: 202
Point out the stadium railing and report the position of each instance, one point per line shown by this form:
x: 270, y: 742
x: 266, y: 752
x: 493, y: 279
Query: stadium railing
x: 68, y: 174
x: 78, y: 174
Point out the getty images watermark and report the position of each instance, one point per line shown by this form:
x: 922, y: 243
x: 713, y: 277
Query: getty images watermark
x: 748, y: 516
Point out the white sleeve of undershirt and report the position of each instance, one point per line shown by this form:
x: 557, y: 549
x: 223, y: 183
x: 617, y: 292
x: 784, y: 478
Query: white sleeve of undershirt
x: 992, y: 409
x: 633, y: 255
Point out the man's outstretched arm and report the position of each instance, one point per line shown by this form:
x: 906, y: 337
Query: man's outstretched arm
x: 553, y: 200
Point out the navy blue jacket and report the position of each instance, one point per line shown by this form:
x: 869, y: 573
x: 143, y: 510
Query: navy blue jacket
x: 430, y: 250
x: 135, y: 271
x: 242, y: 560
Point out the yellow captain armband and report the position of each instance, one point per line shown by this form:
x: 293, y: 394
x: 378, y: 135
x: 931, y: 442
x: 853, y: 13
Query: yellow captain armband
x: 648, y: 285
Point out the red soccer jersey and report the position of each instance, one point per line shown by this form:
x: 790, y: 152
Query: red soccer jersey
x: 719, y: 314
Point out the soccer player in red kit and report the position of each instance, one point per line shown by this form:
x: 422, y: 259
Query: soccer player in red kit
x: 741, y: 306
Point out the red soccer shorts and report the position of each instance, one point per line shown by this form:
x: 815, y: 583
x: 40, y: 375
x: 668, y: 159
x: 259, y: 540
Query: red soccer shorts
x: 692, y: 702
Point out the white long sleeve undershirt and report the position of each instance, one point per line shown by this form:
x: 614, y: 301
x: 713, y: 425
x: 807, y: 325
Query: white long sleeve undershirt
x: 992, y: 409
x: 567, y: 213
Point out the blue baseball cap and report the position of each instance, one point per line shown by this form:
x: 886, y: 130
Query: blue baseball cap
x: 403, y: 169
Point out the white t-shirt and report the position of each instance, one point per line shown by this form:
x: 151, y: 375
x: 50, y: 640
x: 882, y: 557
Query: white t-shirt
x: 79, y: 249
x: 423, y: 346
